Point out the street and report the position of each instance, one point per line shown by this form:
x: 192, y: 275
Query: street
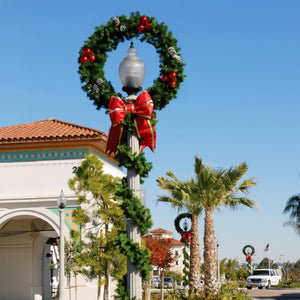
x: 274, y: 294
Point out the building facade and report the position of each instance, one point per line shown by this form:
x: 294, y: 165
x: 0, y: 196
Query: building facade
x: 176, y: 249
x: 36, y: 161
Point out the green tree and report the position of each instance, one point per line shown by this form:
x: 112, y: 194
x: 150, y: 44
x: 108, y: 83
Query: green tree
x: 100, y: 218
x: 264, y: 264
x: 230, y: 269
x: 209, y: 190
x: 183, y: 196
x: 292, y: 207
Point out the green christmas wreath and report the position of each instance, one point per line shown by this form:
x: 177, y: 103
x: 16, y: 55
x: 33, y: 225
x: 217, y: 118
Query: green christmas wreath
x: 246, y: 252
x: 107, y: 37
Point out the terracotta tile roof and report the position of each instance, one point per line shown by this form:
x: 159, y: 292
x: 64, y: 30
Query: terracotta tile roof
x: 162, y: 231
x: 47, y: 130
x: 173, y: 241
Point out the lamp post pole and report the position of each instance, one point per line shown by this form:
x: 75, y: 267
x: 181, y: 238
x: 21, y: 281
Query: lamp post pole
x: 218, y: 262
x: 132, y: 74
x: 62, y: 200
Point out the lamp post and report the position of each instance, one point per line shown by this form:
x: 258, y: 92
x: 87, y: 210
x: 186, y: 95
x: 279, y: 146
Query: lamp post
x: 61, y: 201
x: 218, y: 262
x: 132, y: 75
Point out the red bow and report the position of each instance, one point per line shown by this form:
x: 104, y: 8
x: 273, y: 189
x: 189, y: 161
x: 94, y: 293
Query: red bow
x: 248, y: 257
x: 185, y: 235
x: 143, y: 109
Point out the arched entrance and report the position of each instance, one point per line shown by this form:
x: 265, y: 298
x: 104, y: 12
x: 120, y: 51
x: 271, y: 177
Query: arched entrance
x: 25, y: 255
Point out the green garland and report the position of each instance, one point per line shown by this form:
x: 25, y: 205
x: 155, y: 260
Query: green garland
x: 133, y: 209
x: 132, y: 160
x: 106, y: 38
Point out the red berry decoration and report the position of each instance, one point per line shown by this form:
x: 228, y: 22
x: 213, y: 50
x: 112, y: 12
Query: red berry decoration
x: 86, y: 51
x: 141, y: 28
x: 172, y: 83
x: 173, y: 75
x: 165, y: 78
x: 143, y: 20
x: 83, y: 59
x: 147, y: 26
x: 92, y: 58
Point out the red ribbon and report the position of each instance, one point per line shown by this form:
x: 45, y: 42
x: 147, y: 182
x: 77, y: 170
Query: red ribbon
x: 142, y: 108
x: 248, y: 257
x: 185, y: 235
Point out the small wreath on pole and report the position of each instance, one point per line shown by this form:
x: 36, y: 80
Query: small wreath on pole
x: 183, y: 226
x: 107, y: 37
x: 248, y: 250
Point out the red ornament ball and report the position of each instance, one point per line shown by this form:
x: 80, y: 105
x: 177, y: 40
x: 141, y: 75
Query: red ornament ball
x: 143, y: 20
x: 172, y: 83
x: 92, y: 58
x: 83, y: 59
x: 147, y: 26
x: 165, y: 78
x: 141, y: 28
x: 86, y: 51
x: 173, y: 75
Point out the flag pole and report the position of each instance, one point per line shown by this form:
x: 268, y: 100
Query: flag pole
x: 269, y: 254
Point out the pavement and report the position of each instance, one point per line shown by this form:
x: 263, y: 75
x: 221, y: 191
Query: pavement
x: 275, y: 294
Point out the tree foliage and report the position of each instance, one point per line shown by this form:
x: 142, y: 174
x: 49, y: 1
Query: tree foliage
x: 100, y: 217
x: 209, y: 190
x: 292, y: 208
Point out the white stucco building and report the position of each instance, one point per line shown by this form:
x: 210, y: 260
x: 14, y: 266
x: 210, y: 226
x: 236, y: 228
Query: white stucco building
x: 36, y: 162
x: 176, y: 248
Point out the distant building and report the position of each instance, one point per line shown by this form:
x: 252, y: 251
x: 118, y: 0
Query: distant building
x: 176, y: 249
x: 36, y: 161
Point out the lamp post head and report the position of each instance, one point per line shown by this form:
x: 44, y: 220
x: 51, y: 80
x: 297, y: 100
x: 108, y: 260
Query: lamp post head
x: 132, y: 72
x: 61, y: 200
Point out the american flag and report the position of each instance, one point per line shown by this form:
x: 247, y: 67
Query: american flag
x: 267, y: 247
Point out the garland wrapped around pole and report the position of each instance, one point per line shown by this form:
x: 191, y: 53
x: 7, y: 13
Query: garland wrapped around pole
x: 132, y: 118
x: 248, y: 251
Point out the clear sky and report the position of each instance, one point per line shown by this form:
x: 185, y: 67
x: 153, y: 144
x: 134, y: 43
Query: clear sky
x: 239, y: 102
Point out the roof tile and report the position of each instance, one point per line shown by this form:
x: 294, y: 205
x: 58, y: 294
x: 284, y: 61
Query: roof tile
x: 46, y: 130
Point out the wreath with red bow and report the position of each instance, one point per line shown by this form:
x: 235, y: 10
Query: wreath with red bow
x: 183, y: 226
x: 93, y: 55
x: 248, y: 251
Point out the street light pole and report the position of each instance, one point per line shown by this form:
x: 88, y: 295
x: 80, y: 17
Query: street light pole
x: 132, y: 74
x: 218, y: 262
x: 61, y: 201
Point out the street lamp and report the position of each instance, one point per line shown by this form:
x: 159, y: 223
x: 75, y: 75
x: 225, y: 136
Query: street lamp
x: 61, y: 201
x: 132, y: 75
x: 218, y: 262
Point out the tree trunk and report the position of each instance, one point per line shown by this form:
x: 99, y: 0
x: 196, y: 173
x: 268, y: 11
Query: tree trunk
x: 147, y: 289
x: 210, y: 260
x: 194, y: 284
x: 162, y: 284
x: 99, y: 287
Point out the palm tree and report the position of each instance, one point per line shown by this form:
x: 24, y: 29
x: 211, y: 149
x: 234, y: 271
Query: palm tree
x: 183, y: 196
x: 293, y: 208
x: 211, y: 189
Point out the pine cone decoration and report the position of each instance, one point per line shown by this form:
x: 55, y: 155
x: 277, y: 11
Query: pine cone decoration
x: 116, y: 21
x: 96, y: 88
x: 100, y: 82
x: 172, y: 51
x: 122, y: 27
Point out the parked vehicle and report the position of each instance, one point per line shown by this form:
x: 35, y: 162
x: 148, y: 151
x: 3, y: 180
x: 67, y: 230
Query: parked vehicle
x: 263, y: 278
x: 169, y: 283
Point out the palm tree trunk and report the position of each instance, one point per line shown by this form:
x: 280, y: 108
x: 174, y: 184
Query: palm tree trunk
x: 210, y: 260
x: 194, y: 284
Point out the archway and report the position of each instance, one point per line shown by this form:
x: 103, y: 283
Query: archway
x: 25, y: 238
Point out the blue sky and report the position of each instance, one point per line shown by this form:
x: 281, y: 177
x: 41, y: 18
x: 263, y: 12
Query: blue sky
x: 239, y: 102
